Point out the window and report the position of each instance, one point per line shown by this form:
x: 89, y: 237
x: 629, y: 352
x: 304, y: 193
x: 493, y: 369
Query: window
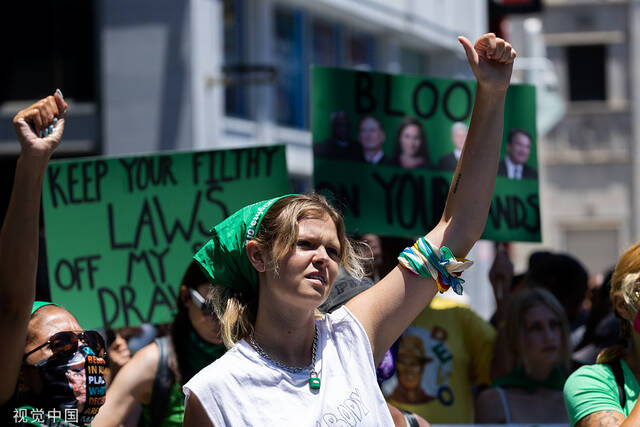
x: 66, y: 28
x: 301, y: 40
x: 325, y: 43
x: 361, y: 51
x: 291, y: 87
x: 587, y: 79
x: 235, y: 96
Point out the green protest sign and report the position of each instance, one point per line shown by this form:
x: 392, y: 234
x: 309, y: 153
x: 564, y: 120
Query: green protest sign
x: 120, y: 232
x: 386, y: 146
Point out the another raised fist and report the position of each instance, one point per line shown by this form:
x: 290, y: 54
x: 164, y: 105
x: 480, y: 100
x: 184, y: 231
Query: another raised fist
x: 39, y: 127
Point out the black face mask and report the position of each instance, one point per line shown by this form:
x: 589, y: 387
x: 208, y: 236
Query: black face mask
x: 73, y: 382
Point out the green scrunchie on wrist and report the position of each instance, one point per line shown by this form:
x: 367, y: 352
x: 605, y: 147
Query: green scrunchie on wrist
x: 424, y: 260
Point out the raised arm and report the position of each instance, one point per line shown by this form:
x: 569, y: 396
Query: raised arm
x: 385, y: 310
x: 38, y: 138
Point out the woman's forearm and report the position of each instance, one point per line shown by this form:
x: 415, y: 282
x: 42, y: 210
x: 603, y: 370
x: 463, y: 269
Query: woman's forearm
x: 18, y: 262
x: 39, y: 129
x: 19, y: 235
x: 471, y: 189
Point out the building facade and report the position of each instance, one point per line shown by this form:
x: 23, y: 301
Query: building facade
x: 588, y: 160
x: 146, y: 76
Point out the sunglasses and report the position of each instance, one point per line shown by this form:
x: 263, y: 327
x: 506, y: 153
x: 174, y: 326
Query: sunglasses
x: 200, y: 302
x: 66, y: 343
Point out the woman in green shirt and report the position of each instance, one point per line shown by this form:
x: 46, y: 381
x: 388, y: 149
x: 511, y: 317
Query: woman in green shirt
x: 605, y: 394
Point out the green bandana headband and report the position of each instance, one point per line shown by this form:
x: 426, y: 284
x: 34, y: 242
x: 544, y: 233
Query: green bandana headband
x: 224, y: 258
x: 39, y: 304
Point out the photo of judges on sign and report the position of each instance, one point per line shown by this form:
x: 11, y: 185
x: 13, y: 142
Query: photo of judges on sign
x: 386, y: 149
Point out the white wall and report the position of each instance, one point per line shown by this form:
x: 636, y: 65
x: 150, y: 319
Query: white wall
x: 144, y: 80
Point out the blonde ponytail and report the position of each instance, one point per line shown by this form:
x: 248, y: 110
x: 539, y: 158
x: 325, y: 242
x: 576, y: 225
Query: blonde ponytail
x: 237, y: 314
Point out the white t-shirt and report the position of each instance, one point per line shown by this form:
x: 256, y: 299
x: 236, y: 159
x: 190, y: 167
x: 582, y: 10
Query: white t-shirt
x: 244, y: 389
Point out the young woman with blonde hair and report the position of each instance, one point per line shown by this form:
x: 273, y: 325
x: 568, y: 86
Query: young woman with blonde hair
x: 537, y: 335
x: 274, y: 263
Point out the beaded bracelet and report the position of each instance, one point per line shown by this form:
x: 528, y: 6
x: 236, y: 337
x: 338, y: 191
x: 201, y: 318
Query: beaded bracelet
x: 424, y: 260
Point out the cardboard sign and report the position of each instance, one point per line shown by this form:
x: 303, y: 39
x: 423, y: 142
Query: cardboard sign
x: 121, y: 232
x: 385, y: 151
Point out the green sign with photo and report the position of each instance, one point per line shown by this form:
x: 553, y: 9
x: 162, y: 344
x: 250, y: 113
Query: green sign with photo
x: 386, y: 146
x: 121, y: 232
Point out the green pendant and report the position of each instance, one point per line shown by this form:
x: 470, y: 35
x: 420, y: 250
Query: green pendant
x: 314, y: 381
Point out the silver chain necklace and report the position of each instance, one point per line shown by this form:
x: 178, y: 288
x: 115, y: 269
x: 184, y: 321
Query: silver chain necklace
x: 314, y: 380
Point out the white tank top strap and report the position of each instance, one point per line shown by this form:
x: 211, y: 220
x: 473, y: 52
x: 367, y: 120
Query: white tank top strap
x: 505, y: 404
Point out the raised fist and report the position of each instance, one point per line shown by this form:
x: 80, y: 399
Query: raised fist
x: 39, y: 127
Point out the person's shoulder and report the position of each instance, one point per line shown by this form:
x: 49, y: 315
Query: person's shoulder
x: 218, y: 383
x: 529, y: 171
x: 590, y: 389
x: 322, y: 148
x: 599, y: 373
x: 447, y: 161
x: 337, y: 319
x: 229, y: 365
x: 386, y: 160
x: 488, y: 406
x: 393, y: 161
x: 600, y: 370
x: 502, y: 168
x: 342, y: 325
x: 137, y: 376
x: 340, y: 316
x: 231, y: 358
x: 145, y: 360
x: 489, y: 395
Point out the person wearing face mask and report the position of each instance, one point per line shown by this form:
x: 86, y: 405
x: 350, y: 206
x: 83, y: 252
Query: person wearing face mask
x: 49, y: 363
x: 606, y: 393
x: 63, y: 369
x: 537, y: 337
x: 155, y: 374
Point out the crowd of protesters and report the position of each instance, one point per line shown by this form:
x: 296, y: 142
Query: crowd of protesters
x: 282, y: 319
